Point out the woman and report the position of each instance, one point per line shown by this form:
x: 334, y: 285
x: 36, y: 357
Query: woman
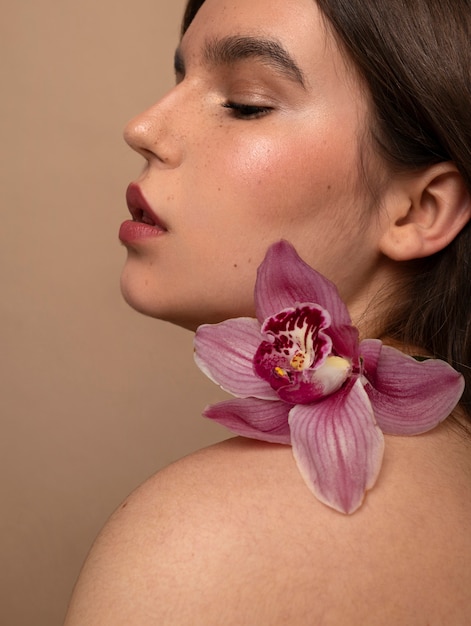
x: 343, y: 127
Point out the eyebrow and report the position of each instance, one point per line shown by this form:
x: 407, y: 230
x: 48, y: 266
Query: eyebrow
x: 230, y: 50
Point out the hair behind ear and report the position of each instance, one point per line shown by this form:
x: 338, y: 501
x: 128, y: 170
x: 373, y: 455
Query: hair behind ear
x: 430, y: 234
x: 433, y: 311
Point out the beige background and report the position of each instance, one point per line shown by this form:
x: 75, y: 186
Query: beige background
x: 90, y: 402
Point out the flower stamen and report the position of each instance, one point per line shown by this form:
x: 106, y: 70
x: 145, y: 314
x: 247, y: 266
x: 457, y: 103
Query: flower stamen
x: 281, y: 373
x: 298, y: 360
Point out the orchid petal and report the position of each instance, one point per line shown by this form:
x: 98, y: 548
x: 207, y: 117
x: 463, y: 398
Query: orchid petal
x: 253, y: 418
x: 410, y: 397
x: 283, y: 279
x: 225, y: 351
x: 370, y: 351
x: 345, y: 340
x: 338, y: 447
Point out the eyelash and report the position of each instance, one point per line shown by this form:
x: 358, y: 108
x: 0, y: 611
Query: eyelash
x: 246, y: 111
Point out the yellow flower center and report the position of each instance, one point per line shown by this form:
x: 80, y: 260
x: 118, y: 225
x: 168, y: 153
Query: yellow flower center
x: 280, y: 372
x: 297, y: 362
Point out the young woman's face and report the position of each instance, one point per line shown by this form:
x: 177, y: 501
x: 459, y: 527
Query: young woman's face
x: 258, y: 141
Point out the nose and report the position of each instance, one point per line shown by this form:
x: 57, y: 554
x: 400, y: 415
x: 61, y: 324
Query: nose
x: 155, y: 135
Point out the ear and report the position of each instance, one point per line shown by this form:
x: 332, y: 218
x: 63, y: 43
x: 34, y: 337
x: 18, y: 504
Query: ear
x: 424, y: 212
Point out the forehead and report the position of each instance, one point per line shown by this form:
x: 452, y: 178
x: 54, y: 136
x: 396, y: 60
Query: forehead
x: 297, y: 27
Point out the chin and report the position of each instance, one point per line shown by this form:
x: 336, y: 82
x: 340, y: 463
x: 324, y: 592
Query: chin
x: 152, y: 303
x: 187, y: 308
x: 144, y: 302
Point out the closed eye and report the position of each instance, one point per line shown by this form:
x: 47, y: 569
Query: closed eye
x: 246, y: 111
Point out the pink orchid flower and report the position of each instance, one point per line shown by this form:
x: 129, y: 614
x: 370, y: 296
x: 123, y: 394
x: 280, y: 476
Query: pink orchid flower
x: 302, y: 377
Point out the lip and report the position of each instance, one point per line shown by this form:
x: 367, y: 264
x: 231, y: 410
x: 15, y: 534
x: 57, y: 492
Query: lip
x: 145, y: 223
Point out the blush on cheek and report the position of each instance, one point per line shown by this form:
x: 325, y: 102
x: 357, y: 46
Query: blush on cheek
x: 252, y: 159
x: 259, y: 173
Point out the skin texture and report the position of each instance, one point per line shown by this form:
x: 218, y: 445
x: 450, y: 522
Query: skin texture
x: 231, y: 535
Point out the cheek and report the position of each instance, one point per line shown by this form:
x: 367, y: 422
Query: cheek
x: 290, y: 175
x: 261, y: 182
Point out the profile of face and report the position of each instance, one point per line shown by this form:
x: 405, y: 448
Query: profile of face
x: 258, y: 141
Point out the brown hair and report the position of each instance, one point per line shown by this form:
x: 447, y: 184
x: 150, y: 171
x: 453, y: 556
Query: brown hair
x: 415, y: 57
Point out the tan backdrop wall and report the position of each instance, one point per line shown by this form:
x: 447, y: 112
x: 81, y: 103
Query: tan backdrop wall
x: 90, y: 404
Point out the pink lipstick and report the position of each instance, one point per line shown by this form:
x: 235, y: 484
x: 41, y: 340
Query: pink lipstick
x: 144, y: 223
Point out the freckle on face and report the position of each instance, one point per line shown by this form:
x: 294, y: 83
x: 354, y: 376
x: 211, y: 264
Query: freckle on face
x: 234, y: 186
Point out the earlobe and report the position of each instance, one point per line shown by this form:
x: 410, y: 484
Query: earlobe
x: 425, y: 213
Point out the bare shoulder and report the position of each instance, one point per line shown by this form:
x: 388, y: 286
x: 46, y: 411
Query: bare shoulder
x: 231, y: 535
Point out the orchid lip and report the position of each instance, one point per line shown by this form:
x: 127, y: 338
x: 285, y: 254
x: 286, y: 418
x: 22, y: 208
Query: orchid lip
x: 140, y: 209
